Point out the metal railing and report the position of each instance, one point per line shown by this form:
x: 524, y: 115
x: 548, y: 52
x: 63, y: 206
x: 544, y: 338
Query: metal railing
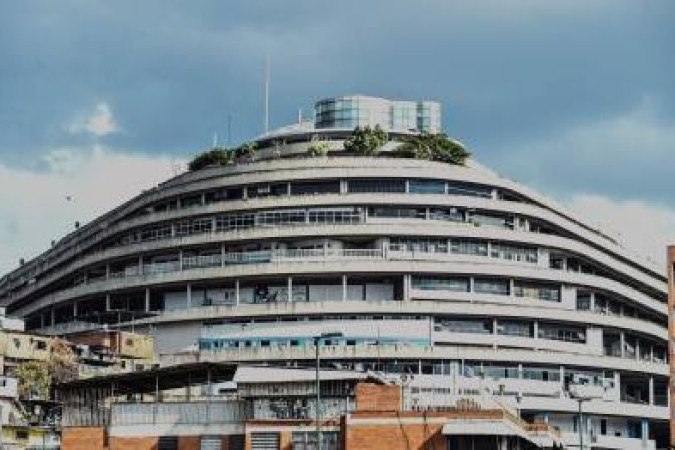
x: 188, y: 413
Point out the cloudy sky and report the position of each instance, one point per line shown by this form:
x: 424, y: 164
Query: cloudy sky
x: 99, y: 100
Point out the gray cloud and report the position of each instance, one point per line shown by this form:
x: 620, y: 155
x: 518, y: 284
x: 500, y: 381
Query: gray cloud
x: 517, y: 78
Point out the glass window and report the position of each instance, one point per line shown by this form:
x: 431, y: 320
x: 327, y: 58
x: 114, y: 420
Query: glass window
x: 565, y: 333
x: 456, y: 284
x: 468, y: 247
x: 464, y: 326
x: 377, y: 185
x: 470, y: 189
x: 515, y: 328
x: 491, y: 286
x: 315, y: 187
x: 426, y: 186
x: 399, y: 213
x: 537, y: 291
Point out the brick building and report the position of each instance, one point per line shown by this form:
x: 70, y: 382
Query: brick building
x: 210, y: 406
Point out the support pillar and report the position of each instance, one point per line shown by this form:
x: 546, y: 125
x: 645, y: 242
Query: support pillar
x: 107, y: 302
x: 236, y: 292
x: 140, y: 265
x: 75, y: 309
x: 651, y: 390
x: 189, y: 295
x: 52, y: 313
x: 289, y: 288
x: 147, y: 299
x: 622, y: 340
x: 406, y: 287
x: 344, y: 288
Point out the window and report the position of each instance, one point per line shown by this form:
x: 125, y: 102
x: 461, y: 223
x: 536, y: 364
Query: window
x: 491, y: 286
x: 464, y: 326
x: 583, y: 300
x: 536, y: 291
x: 467, y: 247
x: 562, y: 333
x: 377, y: 185
x: 399, y: 213
x: 426, y: 187
x: 446, y: 214
x: 455, y: 284
x: 515, y: 328
x: 514, y: 253
x: 470, y: 189
x: 315, y: 187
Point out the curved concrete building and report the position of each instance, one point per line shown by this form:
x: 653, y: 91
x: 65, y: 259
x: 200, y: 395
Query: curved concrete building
x: 453, y: 277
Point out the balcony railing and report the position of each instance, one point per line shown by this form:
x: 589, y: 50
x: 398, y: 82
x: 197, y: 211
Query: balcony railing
x: 185, y: 413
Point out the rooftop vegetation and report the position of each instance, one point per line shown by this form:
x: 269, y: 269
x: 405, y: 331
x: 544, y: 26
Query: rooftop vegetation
x: 364, y: 141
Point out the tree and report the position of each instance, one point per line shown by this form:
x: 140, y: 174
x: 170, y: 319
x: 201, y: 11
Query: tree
x: 318, y: 148
x: 62, y: 363
x: 433, y: 147
x: 367, y: 141
x: 217, y: 156
x: 246, y: 151
x: 34, y: 379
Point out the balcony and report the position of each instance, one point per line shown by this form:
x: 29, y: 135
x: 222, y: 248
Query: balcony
x: 179, y: 413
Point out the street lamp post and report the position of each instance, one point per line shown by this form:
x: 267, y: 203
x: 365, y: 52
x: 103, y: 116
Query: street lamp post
x: 584, y: 393
x: 317, y: 409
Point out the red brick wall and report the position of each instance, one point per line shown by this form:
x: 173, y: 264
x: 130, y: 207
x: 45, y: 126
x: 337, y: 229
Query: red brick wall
x: 189, y: 443
x: 377, y: 397
x: 133, y: 443
x: 395, y: 437
x: 83, y: 438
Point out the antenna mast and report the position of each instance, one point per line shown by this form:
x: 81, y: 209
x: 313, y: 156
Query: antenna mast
x: 266, y: 113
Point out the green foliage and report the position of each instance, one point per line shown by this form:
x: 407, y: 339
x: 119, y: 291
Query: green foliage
x: 246, y: 151
x: 34, y: 379
x: 62, y: 363
x: 366, y: 141
x: 217, y: 156
x: 318, y: 148
x: 433, y: 147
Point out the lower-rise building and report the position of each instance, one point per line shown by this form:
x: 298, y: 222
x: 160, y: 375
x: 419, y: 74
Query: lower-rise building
x: 212, y: 406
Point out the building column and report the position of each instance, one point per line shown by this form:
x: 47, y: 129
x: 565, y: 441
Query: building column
x: 645, y: 432
x: 188, y: 291
x: 52, y: 313
x: 222, y: 255
x: 406, y: 287
x: 562, y: 381
x: 107, y: 271
x: 651, y: 390
x: 344, y: 288
x: 180, y: 259
x: 140, y: 265
x: 622, y: 340
x: 617, y: 385
x: 75, y: 309
x: 236, y: 292
x: 107, y: 302
x: 147, y: 299
x: 289, y: 288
